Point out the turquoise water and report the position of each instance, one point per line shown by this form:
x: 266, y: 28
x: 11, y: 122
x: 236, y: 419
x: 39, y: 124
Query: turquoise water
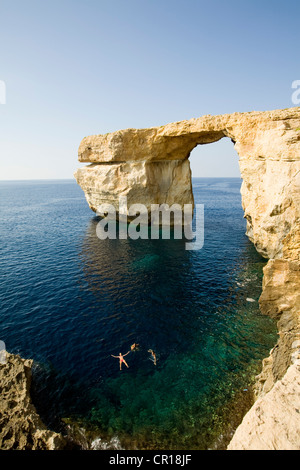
x: 70, y: 301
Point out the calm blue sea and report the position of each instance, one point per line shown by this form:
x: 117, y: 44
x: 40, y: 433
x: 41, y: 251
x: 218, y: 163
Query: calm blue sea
x: 70, y: 300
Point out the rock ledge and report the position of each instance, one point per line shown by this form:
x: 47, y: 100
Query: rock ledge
x: 21, y: 428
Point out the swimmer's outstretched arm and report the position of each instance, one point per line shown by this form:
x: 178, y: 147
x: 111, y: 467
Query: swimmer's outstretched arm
x: 126, y: 353
x: 115, y: 356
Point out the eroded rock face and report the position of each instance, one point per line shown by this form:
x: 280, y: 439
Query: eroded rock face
x: 280, y: 299
x: 142, y: 182
x: 273, y: 421
x: 20, y: 426
x: 151, y: 166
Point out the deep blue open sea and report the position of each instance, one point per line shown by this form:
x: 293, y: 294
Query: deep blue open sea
x: 69, y: 301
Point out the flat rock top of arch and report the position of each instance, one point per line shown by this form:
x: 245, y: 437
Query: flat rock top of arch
x: 258, y: 134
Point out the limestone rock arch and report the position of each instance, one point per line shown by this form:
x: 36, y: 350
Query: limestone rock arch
x: 151, y: 166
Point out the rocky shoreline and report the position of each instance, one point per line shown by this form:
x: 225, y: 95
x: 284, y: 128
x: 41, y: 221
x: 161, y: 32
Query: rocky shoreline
x: 21, y: 428
x: 273, y: 422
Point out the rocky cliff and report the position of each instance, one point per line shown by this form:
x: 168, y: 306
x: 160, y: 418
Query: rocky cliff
x: 20, y: 426
x: 273, y: 423
x: 151, y: 166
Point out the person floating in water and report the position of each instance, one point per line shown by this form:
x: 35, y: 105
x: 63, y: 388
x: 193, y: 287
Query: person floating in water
x: 134, y: 347
x: 121, y: 359
x: 153, y: 355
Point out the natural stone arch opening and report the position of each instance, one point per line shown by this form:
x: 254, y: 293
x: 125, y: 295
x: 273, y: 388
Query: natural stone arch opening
x: 217, y: 160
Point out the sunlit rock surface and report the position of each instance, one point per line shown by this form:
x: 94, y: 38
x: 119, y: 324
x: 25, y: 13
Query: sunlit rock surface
x: 20, y: 426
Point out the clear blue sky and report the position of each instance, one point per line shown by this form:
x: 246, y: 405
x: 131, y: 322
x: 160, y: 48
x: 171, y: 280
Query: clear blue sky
x: 78, y: 67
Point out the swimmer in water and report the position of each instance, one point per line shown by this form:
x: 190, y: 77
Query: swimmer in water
x: 121, y: 359
x: 153, y: 355
x: 134, y: 347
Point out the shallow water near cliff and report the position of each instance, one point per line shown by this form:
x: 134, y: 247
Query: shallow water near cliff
x: 70, y: 300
